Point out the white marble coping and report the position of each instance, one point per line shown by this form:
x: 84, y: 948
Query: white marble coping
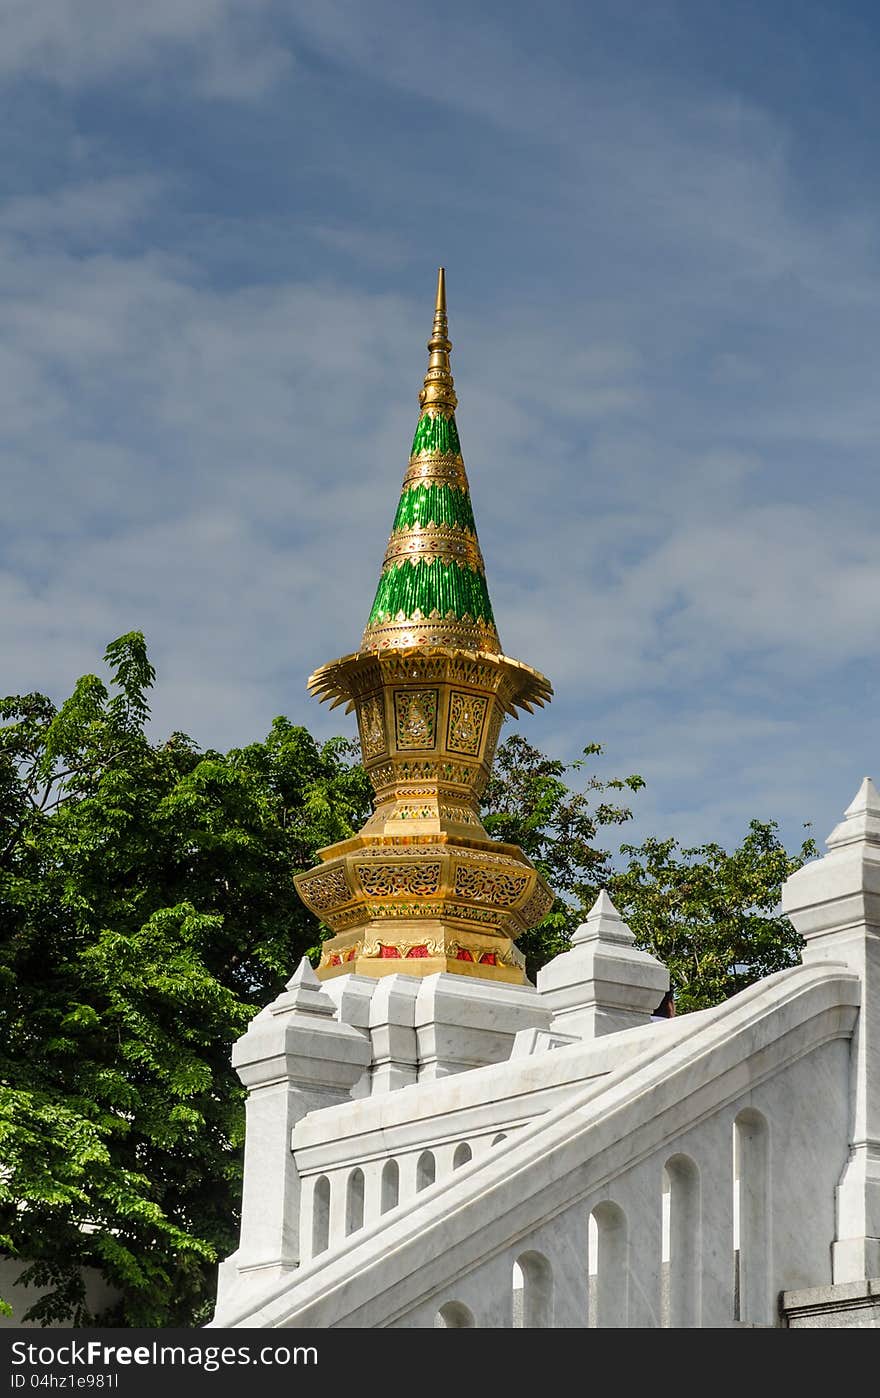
x: 471, y: 1104
x: 382, y: 1272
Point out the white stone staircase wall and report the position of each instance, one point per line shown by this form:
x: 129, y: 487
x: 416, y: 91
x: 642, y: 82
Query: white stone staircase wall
x: 772, y: 1065
x: 387, y: 1149
x: 679, y: 1173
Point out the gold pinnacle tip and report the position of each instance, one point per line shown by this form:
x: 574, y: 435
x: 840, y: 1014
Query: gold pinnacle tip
x: 438, y: 393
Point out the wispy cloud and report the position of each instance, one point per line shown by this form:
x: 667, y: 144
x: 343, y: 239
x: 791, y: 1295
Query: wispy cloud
x: 664, y: 343
x: 72, y: 42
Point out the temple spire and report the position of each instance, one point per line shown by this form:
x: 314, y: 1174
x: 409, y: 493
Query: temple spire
x: 438, y: 394
x: 421, y: 888
x: 432, y: 590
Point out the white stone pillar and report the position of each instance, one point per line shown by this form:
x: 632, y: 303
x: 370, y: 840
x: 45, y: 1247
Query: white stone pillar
x: 372, y: 1190
x: 462, y: 1023
x: 294, y: 1058
x: 392, y: 1032
x: 351, y: 995
x: 604, y: 983
x: 408, y: 1168
x: 835, y: 905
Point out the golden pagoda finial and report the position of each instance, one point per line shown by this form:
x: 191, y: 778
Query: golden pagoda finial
x: 422, y: 888
x: 438, y: 394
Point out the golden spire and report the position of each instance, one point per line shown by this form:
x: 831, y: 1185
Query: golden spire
x: 438, y: 393
x: 422, y: 888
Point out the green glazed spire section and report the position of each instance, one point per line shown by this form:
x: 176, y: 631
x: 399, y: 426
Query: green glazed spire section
x: 430, y: 503
x: 431, y: 586
x: 436, y: 434
x: 444, y: 586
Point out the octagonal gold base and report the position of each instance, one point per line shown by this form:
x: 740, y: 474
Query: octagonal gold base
x: 423, y: 888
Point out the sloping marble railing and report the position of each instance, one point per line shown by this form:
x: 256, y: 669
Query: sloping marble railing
x: 359, y: 1160
x: 678, y: 1174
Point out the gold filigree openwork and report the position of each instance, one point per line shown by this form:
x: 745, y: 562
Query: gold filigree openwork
x: 538, y: 905
x: 390, y: 880
x: 326, y: 890
x: 415, y: 716
x: 490, y: 886
x: 467, y: 714
x: 372, y: 726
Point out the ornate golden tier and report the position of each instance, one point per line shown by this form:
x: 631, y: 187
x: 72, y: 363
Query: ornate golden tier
x: 433, y: 906
x: 422, y: 883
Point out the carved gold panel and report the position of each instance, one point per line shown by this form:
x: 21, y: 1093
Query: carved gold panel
x: 467, y: 715
x: 493, y: 734
x: 372, y: 725
x: 415, y: 717
x: 490, y: 885
x: 388, y: 880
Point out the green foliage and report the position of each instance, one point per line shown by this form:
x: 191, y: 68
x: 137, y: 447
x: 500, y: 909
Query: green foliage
x: 712, y: 917
x: 147, y: 911
x: 528, y: 803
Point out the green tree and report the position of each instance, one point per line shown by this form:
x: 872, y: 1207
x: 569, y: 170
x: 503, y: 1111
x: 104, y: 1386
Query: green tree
x: 528, y: 802
x: 711, y: 916
x: 146, y: 912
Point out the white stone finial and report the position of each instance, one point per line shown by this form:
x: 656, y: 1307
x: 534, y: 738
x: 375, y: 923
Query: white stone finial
x: 603, y: 923
x: 604, y: 983
x: 861, y: 819
x: 303, y: 975
x: 867, y: 798
x: 603, y: 904
x: 305, y: 993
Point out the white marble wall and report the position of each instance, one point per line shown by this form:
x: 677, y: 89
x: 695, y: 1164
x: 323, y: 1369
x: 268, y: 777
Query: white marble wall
x: 800, y: 1184
x: 780, y: 1052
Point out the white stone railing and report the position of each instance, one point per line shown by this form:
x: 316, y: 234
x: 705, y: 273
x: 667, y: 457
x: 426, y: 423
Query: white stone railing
x: 563, y: 1223
x: 358, y: 1161
x: 675, y: 1174
x: 319, y: 1046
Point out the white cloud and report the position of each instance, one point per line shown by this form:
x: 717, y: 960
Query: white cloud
x: 254, y: 468
x: 670, y: 434
x: 92, y: 209
x: 73, y: 42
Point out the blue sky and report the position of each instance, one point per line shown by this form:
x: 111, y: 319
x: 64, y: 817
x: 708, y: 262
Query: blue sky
x: 219, y: 231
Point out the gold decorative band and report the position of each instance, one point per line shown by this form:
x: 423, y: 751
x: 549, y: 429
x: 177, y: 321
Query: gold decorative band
x: 445, y: 469
x: 434, y: 541
x: 437, y: 398
x: 455, y: 632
